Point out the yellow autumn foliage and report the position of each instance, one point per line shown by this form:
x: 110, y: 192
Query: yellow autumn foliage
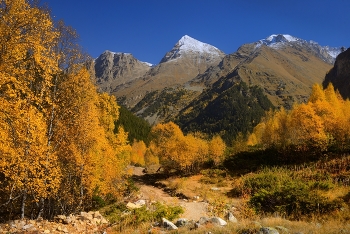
x: 138, y: 152
x: 217, y: 150
x: 320, y: 123
x: 183, y: 152
x: 58, y: 148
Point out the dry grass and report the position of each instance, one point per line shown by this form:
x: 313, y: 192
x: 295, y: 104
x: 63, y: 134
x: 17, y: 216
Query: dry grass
x: 249, y: 226
x: 220, y: 201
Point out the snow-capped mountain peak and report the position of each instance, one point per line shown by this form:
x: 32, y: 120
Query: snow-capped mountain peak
x: 188, y: 45
x: 278, y: 41
x: 274, y: 38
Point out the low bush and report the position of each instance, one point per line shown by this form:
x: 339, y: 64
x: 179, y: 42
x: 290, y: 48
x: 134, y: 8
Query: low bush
x: 120, y: 215
x: 293, y: 199
x: 289, y: 193
x: 214, y: 176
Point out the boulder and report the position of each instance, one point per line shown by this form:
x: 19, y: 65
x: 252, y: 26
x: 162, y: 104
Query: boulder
x: 181, y: 222
x: 168, y: 225
x: 203, y: 220
x: 231, y: 218
x: 268, y: 230
x: 140, y: 202
x: 218, y: 221
x: 131, y: 205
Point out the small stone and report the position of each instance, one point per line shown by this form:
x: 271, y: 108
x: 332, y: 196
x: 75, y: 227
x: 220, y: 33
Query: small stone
x: 85, y: 216
x: 104, y: 221
x: 97, y: 215
x: 20, y: 224
x: 96, y: 221
x: 197, y: 225
x: 131, y: 205
x: 83, y: 213
x: 61, y: 217
x: 28, y: 226
x: 68, y: 220
x: 140, y: 202
x: 32, y: 221
x: 47, y: 231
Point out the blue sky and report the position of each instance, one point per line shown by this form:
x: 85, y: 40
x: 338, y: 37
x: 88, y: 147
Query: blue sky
x: 150, y: 28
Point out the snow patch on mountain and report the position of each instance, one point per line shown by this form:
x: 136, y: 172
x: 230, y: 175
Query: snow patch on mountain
x: 115, y: 53
x: 148, y: 64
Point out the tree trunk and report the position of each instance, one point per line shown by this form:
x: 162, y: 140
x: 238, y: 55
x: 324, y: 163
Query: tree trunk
x: 41, y: 208
x: 23, y: 203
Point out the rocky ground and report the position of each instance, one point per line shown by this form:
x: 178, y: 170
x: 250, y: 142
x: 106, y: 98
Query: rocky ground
x: 91, y: 222
x: 197, y: 217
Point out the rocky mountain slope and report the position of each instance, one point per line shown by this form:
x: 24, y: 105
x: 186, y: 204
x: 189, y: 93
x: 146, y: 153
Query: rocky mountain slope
x: 282, y: 66
x: 285, y: 67
x: 339, y: 75
x: 186, y: 60
x: 112, y: 70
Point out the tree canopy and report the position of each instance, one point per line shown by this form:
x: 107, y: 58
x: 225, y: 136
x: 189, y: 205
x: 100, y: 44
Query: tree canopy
x: 57, y: 141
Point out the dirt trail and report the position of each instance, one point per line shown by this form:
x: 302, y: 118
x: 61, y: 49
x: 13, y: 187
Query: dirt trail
x: 193, y: 209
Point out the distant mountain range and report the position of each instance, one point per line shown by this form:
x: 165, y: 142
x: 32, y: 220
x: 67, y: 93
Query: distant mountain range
x: 193, y: 75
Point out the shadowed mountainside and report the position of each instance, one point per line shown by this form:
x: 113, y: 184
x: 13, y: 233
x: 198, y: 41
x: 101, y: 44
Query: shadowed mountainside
x: 339, y: 75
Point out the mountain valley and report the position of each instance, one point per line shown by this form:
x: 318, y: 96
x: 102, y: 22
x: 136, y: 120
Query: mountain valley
x: 193, y: 74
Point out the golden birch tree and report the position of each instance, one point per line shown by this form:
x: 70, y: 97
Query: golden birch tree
x: 217, y: 150
x: 27, y: 62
